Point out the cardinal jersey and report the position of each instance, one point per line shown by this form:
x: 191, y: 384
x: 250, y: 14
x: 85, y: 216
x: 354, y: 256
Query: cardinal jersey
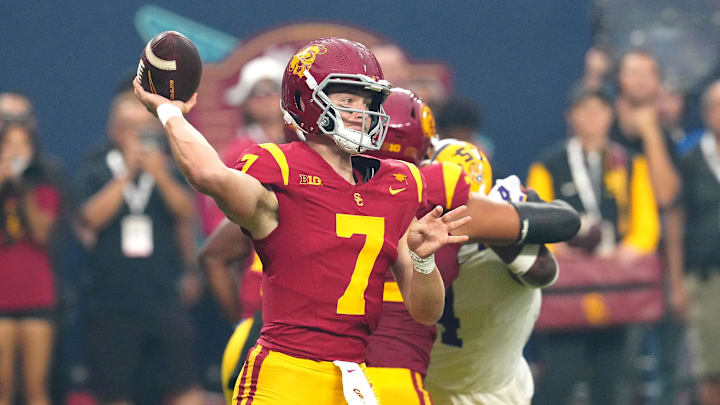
x: 492, y: 317
x: 400, y: 341
x: 249, y: 291
x: 324, y: 264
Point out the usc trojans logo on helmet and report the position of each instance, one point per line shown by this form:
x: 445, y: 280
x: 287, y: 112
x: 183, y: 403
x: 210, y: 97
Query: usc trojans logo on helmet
x: 427, y: 120
x: 304, y: 59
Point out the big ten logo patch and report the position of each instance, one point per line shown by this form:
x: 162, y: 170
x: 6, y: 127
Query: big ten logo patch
x: 310, y: 180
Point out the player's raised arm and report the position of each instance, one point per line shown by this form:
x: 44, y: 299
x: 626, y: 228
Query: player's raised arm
x: 503, y: 223
x: 417, y: 276
x: 239, y: 195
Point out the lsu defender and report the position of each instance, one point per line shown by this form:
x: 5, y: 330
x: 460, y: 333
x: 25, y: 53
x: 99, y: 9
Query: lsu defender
x: 490, y: 311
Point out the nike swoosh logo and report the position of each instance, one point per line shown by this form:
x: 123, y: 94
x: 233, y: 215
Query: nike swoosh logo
x: 395, y: 191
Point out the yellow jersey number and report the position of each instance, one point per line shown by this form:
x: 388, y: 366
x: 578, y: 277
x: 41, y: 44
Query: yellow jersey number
x: 352, y: 302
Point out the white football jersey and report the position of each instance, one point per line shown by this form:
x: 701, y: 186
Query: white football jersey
x: 487, y: 321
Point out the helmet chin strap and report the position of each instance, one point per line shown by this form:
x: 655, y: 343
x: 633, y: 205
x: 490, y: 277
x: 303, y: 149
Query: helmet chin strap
x: 348, y: 146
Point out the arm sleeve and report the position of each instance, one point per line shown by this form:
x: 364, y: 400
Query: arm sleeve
x: 644, y: 231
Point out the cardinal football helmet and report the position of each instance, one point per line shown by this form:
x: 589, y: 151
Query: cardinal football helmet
x: 473, y: 161
x: 412, y: 128
x: 335, y: 61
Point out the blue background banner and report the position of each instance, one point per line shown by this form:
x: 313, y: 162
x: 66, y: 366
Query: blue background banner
x: 516, y: 59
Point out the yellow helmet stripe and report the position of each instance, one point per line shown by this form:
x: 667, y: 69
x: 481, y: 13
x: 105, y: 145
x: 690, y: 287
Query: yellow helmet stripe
x: 418, y: 179
x: 279, y: 156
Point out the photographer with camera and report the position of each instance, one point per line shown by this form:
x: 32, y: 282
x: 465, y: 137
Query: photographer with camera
x: 30, y: 206
x: 138, y: 214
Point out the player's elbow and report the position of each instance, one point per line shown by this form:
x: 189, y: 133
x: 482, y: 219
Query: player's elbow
x: 428, y: 312
x: 205, y: 180
x: 543, y: 272
x: 208, y: 261
x: 427, y: 317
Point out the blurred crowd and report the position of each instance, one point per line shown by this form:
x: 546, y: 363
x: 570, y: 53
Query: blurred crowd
x: 101, y: 299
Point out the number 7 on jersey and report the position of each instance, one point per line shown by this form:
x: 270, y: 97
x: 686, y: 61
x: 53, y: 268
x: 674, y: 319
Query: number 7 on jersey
x: 352, y: 302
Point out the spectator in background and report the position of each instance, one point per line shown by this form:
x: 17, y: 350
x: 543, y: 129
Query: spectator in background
x: 672, y: 105
x: 430, y: 88
x: 695, y: 276
x: 598, y: 68
x: 138, y: 211
x: 257, y: 96
x: 602, y: 180
x: 397, y: 70
x: 394, y: 64
x: 29, y: 208
x: 638, y: 127
x: 460, y: 118
x: 16, y: 107
x: 611, y: 189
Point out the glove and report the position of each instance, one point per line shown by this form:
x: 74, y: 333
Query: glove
x: 508, y: 189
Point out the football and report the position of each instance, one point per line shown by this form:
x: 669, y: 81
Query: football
x: 170, y: 66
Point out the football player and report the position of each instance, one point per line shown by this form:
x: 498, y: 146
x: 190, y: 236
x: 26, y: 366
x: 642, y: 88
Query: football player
x: 227, y: 256
x: 490, y: 311
x: 326, y: 225
x: 399, y: 350
x: 224, y: 252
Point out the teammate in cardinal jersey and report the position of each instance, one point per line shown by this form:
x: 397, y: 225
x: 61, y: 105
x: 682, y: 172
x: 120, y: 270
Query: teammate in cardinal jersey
x: 399, y: 350
x: 326, y: 225
x: 226, y: 256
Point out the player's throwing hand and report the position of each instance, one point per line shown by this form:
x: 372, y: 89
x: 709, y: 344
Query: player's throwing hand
x: 153, y: 101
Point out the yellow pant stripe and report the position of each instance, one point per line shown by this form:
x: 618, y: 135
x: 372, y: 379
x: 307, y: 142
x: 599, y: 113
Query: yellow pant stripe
x: 419, y: 382
x: 249, y: 372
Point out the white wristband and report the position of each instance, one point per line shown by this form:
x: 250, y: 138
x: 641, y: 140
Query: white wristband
x: 525, y: 259
x: 424, y: 266
x: 167, y: 110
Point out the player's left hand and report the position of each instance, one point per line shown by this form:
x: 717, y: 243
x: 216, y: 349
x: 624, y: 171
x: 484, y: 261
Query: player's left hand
x: 152, y: 101
x: 432, y: 231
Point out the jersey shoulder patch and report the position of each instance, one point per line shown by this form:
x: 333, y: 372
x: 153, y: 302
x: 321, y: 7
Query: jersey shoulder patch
x: 267, y: 162
x: 408, y: 177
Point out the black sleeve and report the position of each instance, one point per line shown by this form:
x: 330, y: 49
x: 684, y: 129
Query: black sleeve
x: 542, y: 222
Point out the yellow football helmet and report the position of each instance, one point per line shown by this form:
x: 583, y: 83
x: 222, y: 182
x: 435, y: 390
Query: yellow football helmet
x: 470, y: 158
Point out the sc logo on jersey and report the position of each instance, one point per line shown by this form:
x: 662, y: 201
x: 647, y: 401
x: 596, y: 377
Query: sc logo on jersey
x: 310, y: 180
